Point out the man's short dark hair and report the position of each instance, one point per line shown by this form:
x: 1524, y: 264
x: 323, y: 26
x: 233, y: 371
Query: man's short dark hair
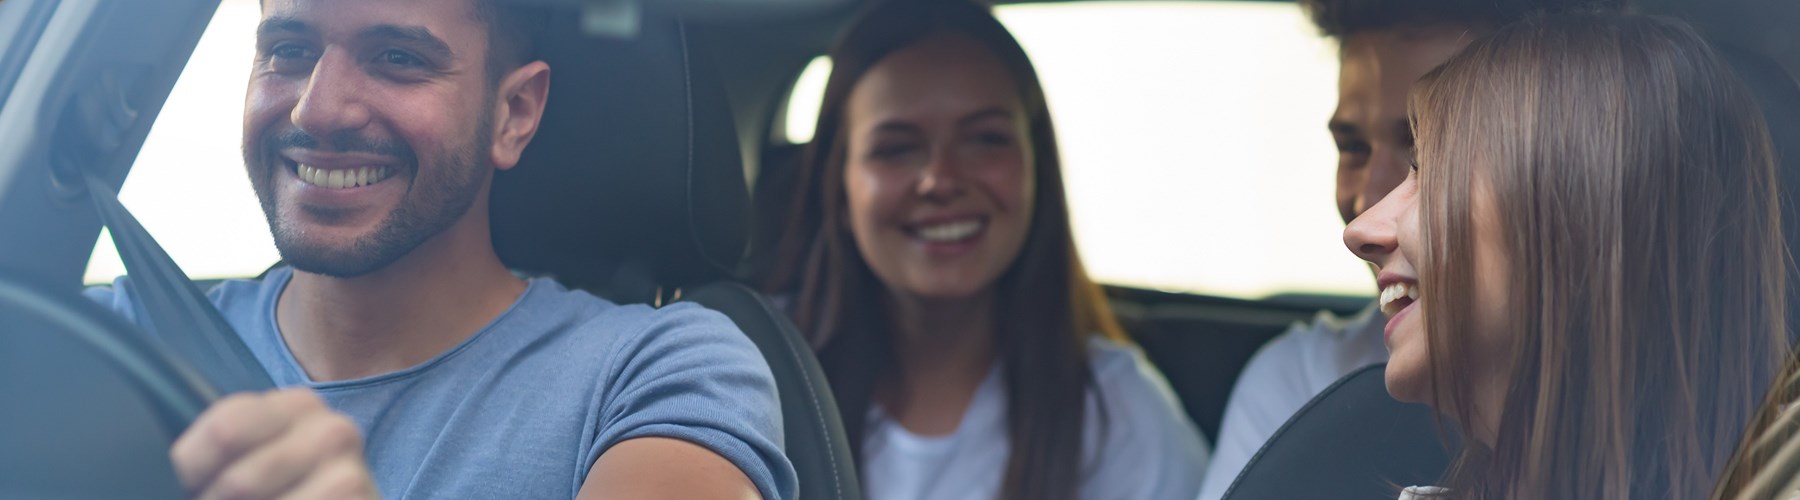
x: 512, y: 34
x: 1342, y: 18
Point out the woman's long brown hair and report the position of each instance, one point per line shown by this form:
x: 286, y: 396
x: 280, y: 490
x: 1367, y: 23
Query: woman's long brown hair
x: 1047, y: 306
x: 1633, y: 181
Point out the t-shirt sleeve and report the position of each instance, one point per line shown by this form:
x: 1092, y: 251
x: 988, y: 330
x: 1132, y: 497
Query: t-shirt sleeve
x: 118, y: 298
x: 692, y: 375
x: 1152, y: 449
x: 1271, y: 388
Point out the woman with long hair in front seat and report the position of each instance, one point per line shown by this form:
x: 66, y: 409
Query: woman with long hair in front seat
x: 1585, y: 271
x: 928, y: 255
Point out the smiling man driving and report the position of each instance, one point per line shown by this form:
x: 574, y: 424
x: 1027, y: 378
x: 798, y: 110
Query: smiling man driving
x: 372, y: 132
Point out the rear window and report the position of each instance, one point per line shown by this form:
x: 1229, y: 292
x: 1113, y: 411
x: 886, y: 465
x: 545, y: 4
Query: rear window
x: 1194, y: 142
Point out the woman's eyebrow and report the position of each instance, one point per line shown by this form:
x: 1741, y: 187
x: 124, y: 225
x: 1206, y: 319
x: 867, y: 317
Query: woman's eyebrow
x: 993, y: 112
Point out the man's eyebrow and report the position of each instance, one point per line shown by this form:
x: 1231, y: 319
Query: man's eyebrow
x: 416, y: 36
x: 279, y: 24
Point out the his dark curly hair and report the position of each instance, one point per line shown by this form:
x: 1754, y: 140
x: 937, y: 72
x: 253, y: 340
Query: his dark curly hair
x: 1343, y: 18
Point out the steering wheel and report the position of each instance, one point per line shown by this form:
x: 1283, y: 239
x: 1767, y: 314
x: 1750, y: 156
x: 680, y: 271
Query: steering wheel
x: 88, y: 403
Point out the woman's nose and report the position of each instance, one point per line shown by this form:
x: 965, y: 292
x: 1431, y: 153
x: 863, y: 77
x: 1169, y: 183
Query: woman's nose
x: 1374, y: 234
x: 941, y: 179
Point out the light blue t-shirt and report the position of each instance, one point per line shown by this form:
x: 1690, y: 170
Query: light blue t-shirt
x: 524, y: 407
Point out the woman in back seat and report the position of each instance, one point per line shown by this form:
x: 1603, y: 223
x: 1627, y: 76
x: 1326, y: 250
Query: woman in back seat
x: 1597, y: 300
x: 928, y: 254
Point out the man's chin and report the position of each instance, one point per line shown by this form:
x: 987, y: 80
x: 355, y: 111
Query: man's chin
x: 333, y: 264
x: 339, y: 259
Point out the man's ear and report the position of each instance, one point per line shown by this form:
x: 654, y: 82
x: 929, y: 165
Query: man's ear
x: 521, y: 98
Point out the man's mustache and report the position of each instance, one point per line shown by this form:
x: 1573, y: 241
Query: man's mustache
x: 341, y: 142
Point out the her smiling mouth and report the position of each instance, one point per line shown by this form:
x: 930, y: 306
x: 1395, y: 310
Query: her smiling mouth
x: 341, y: 178
x: 1395, y: 297
x: 950, y: 232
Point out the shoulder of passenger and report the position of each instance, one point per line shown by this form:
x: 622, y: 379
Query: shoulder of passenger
x: 1324, y: 334
x: 1118, y: 364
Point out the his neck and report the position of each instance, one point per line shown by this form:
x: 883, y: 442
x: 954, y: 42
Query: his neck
x: 422, y: 305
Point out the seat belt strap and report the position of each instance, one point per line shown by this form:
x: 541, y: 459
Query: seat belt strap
x: 183, y: 318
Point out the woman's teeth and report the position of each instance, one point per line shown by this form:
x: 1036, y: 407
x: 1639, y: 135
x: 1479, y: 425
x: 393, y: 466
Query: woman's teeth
x: 950, y: 231
x: 1397, y: 296
x: 341, y: 178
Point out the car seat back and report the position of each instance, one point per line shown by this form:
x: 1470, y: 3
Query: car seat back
x: 633, y: 189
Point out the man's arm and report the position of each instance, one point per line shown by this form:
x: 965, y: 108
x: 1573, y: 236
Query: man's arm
x: 688, y: 409
x: 657, y: 468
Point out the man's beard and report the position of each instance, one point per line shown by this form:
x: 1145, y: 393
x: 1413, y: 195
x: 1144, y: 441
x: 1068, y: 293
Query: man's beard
x: 432, y: 203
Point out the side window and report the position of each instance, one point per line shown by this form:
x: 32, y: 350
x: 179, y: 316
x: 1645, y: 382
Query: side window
x: 802, y: 112
x: 188, y: 186
x: 1193, y: 140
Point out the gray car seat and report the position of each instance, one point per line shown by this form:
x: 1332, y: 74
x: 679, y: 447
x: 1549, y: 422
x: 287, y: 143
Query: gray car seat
x: 634, y: 190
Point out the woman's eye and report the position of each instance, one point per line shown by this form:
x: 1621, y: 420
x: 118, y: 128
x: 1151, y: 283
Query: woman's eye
x: 892, y: 151
x: 401, y: 59
x: 1353, y: 147
x: 994, y: 139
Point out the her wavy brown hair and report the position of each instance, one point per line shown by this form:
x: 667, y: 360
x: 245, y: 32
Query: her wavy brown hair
x: 1634, y: 184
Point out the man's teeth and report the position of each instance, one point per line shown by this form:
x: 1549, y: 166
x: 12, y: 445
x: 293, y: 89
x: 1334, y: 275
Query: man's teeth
x: 1391, y: 295
x: 950, y: 231
x: 341, y: 178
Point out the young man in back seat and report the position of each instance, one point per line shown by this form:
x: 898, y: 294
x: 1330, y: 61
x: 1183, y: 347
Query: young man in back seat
x: 1384, y: 46
x: 372, y: 132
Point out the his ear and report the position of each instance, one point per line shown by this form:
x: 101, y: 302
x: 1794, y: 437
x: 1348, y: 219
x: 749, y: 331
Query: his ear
x: 521, y: 98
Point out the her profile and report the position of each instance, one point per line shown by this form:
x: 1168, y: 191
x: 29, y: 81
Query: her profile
x: 1585, y: 273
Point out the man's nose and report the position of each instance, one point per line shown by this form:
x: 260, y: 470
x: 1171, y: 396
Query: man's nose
x: 1388, y: 167
x: 332, y: 100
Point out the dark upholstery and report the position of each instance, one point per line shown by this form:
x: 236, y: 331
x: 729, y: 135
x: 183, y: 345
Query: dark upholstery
x: 634, y: 178
x: 827, y: 467
x: 1351, y: 441
x: 633, y: 189
x: 1201, y: 344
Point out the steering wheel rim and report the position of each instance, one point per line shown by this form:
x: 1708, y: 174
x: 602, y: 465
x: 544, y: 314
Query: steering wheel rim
x: 177, y: 392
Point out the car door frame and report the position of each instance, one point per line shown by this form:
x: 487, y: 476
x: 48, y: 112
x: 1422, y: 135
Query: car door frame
x: 83, y: 81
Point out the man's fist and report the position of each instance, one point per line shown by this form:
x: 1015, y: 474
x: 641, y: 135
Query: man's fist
x: 278, y: 444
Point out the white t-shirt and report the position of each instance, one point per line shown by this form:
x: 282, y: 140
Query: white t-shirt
x: 1150, y: 449
x: 1282, y: 377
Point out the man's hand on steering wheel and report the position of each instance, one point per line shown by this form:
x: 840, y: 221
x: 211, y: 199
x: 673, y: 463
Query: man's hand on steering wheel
x: 277, y: 444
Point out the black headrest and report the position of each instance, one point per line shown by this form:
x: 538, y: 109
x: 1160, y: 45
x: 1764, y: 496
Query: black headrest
x: 634, y: 179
